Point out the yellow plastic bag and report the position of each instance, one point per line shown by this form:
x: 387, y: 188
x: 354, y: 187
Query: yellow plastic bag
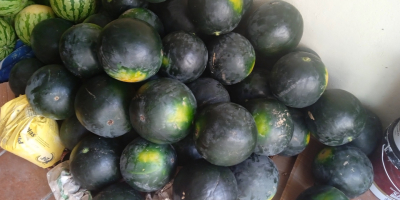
x: 29, y: 135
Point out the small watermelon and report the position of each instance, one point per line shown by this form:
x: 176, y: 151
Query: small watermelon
x: 120, y: 191
x: 74, y: 10
x: 322, y: 192
x: 11, y: 7
x: 20, y: 74
x: 147, y: 16
x: 231, y: 58
x: 185, y: 56
x: 27, y: 19
x: 100, y: 19
x: 116, y: 7
x: 146, y: 166
x: 208, y: 91
x: 7, y: 39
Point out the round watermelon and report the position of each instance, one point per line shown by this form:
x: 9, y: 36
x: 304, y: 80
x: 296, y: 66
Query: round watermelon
x: 231, y: 58
x: 20, y: 74
x: 185, y: 56
x: 146, y: 166
x: 78, y: 50
x: 28, y: 18
x: 322, y: 192
x: 336, y: 118
x: 74, y: 10
x: 51, y: 92
x: 225, y: 134
x: 11, y: 7
x: 119, y: 191
x: 130, y: 50
x: 346, y: 168
x: 7, y: 39
x: 147, y: 16
x: 162, y: 111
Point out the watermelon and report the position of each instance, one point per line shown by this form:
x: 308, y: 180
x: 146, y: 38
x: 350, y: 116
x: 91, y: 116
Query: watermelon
x: 275, y: 28
x: 346, y: 168
x: 27, y: 19
x: 78, y: 50
x: 20, y: 74
x: 51, y: 92
x: 162, y: 111
x: 10, y: 19
x: 45, y: 39
x: 370, y: 135
x: 257, y: 178
x: 100, y: 19
x: 101, y: 105
x: 225, y: 134
x: 336, y: 118
x: 72, y: 132
x: 146, y: 166
x: 88, y: 170
x: 116, y: 7
x: 274, y: 124
x: 186, y: 150
x: 252, y: 87
x: 136, y: 50
x: 208, y: 91
x: 215, y: 17
x: 322, y: 192
x: 298, y: 79
x: 231, y: 58
x: 11, y: 7
x: 120, y: 191
x: 301, y: 134
x: 185, y: 56
x: 74, y: 10
x: 147, y: 16
x: 7, y: 39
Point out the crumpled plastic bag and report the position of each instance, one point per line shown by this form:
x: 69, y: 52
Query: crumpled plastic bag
x: 29, y: 135
x: 63, y: 185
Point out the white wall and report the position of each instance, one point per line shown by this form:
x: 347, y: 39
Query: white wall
x: 359, y: 43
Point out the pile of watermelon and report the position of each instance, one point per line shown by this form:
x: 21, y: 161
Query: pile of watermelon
x: 143, y: 88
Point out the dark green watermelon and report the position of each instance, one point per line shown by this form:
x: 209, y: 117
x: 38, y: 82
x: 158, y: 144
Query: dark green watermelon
x: 51, y: 92
x: 45, y: 39
x: 130, y: 50
x: 231, y: 58
x: 94, y: 162
x: 174, y: 16
x: 119, y: 191
x: 78, y: 50
x: 370, y: 135
x: 20, y: 74
x: 252, y: 87
x: 298, y: 79
x: 186, y: 150
x: 336, y: 118
x: 301, y: 134
x: 185, y: 56
x: 346, y: 168
x: 146, y: 166
x: 274, y: 124
x: 115, y: 8
x: 208, y: 91
x: 100, y: 19
x: 215, y: 17
x: 275, y: 28
x: 225, y: 134
x: 102, y: 104
x: 147, y: 16
x: 257, y: 178
x: 162, y: 111
x: 201, y: 180
x: 322, y: 192
x: 71, y: 132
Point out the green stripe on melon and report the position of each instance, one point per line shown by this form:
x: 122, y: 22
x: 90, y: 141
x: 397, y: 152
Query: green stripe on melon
x: 11, y: 7
x: 11, y: 18
x: 7, y: 39
x: 27, y: 19
x: 74, y: 10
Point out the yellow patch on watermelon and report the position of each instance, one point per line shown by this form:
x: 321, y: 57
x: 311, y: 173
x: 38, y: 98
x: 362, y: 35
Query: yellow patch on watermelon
x: 308, y: 138
x: 128, y: 75
x: 262, y: 125
x: 237, y: 6
x: 149, y: 156
x: 182, y: 114
x: 325, y: 155
x: 252, y: 67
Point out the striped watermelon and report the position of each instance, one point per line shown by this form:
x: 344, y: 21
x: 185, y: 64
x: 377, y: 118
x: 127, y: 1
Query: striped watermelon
x: 11, y: 18
x: 11, y: 7
x: 74, y: 10
x: 27, y: 19
x: 7, y: 39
